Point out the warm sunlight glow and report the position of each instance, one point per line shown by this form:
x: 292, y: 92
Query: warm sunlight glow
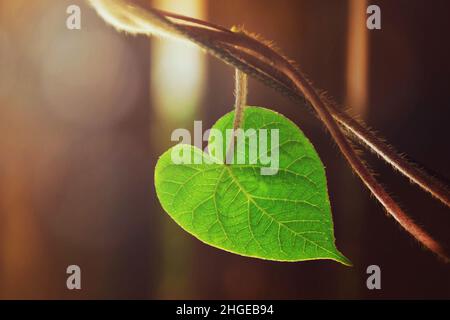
x: 177, y: 71
x: 131, y: 19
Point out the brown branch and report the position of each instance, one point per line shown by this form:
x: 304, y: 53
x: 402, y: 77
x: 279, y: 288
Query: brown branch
x: 259, y: 60
x: 240, y: 102
x: 353, y: 128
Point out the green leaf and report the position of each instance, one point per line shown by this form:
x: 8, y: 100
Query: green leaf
x: 284, y: 217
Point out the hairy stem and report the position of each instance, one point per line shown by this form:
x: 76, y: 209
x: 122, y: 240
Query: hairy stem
x: 240, y: 94
x: 259, y: 60
x: 359, y: 133
x: 240, y: 102
x: 354, y: 129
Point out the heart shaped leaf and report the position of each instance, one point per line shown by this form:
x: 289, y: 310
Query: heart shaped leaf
x: 278, y: 211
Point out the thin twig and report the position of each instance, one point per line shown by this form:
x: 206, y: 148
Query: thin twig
x: 240, y: 102
x: 354, y: 129
x: 240, y: 94
x: 358, y: 132
x: 262, y: 62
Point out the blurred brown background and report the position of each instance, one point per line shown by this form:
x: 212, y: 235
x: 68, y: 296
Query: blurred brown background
x: 85, y: 114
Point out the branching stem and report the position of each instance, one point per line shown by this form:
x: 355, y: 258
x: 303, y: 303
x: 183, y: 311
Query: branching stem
x: 255, y: 58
